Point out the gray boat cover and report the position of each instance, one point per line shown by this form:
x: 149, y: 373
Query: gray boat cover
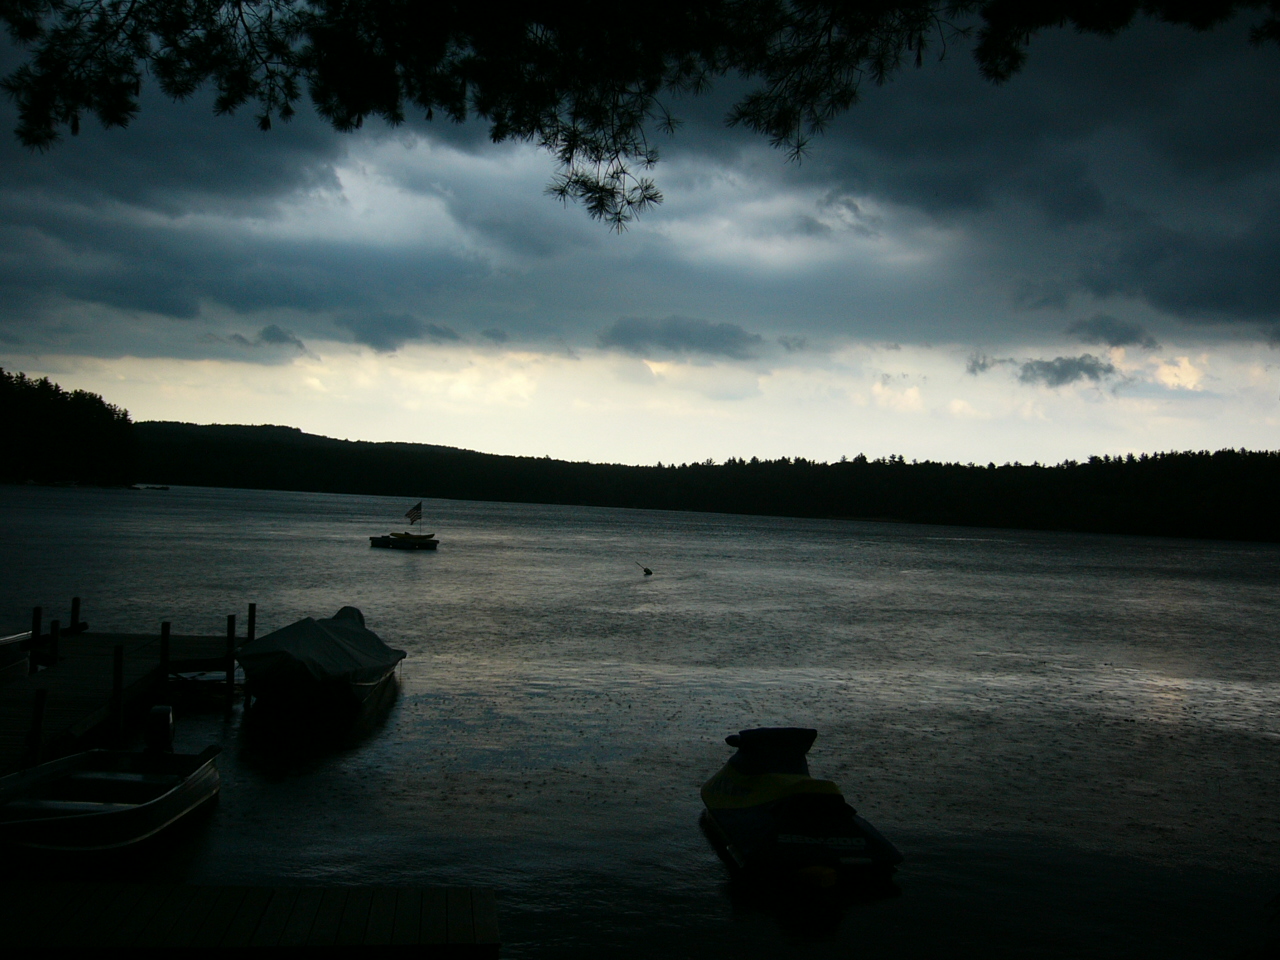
x: 337, y: 649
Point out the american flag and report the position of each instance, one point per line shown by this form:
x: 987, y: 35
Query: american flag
x: 415, y: 513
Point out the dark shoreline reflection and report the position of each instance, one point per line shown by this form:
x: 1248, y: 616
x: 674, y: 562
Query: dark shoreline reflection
x: 807, y: 913
x: 283, y: 739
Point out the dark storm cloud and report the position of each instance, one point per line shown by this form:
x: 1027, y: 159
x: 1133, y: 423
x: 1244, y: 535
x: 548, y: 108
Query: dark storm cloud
x: 1036, y: 181
x: 681, y: 335
x: 271, y: 336
x: 1041, y: 294
x: 943, y: 139
x: 173, y: 158
x: 389, y: 332
x: 1107, y: 145
x: 1224, y: 275
x: 1061, y: 371
x: 793, y: 344
x: 280, y: 337
x: 495, y: 335
x: 981, y: 363
x: 1108, y: 330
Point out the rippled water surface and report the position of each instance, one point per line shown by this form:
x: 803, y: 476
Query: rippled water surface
x: 1075, y: 740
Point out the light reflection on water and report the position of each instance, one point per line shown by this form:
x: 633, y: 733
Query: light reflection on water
x: 1069, y: 736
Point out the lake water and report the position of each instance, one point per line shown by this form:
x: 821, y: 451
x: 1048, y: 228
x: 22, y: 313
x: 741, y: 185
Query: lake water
x: 1074, y: 740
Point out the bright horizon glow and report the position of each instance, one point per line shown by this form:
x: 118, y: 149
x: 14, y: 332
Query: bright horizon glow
x: 600, y: 407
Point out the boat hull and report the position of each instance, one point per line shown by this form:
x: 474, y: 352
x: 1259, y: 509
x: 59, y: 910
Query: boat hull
x: 303, y: 693
x: 33, y: 815
x: 404, y: 543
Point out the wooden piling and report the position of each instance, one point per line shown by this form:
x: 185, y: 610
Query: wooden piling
x: 117, y: 692
x: 164, y: 650
x: 55, y: 634
x: 83, y: 709
x: 231, y: 659
x: 37, y: 728
x: 37, y: 615
x: 75, y: 616
x: 252, y: 626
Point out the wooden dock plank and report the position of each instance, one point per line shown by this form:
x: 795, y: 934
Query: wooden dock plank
x: 154, y: 899
x: 211, y: 929
x: 408, y: 920
x: 253, y: 908
x: 301, y: 918
x: 272, y: 926
x: 23, y: 911
x: 355, y: 917
x: 434, y: 915
x: 382, y: 917
x: 85, y: 926
x: 325, y: 928
x: 445, y: 922
x: 461, y: 928
x: 484, y: 914
x: 132, y: 896
x: 192, y: 916
x: 155, y: 932
x: 58, y: 906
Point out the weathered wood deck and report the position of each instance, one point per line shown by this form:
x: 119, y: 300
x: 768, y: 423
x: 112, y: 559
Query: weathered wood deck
x: 425, y: 921
x: 79, y: 698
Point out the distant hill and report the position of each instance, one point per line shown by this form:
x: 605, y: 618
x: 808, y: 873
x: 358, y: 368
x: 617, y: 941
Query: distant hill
x: 1229, y: 494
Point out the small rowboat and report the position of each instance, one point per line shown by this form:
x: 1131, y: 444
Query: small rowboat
x: 104, y: 799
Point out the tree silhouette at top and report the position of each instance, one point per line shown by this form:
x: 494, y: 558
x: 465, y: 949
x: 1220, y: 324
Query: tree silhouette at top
x: 591, y: 83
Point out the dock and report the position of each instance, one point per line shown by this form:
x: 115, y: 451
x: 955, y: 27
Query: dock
x: 428, y: 922
x: 88, y: 684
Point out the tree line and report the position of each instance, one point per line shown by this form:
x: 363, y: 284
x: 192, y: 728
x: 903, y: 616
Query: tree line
x: 1227, y: 494
x: 52, y: 435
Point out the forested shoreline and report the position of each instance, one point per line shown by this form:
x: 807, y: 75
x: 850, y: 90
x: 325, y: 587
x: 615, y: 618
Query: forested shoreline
x: 1228, y: 494
x: 52, y: 435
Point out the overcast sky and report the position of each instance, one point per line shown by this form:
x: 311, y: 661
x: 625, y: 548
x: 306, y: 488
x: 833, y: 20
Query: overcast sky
x: 1081, y: 261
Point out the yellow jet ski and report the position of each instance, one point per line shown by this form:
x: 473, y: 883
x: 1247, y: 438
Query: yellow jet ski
x: 767, y: 816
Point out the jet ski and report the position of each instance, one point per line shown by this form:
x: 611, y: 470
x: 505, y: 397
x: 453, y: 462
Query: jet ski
x: 767, y: 816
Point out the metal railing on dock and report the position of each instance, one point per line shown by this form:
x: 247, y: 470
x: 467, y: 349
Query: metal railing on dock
x: 427, y: 921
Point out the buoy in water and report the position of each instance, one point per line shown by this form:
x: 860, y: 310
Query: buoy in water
x: 647, y: 571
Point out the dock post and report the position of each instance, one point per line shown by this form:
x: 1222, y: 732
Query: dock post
x: 37, y: 728
x: 164, y: 649
x: 37, y: 614
x: 231, y: 659
x: 55, y: 633
x: 250, y: 630
x: 117, y: 692
x: 75, y: 616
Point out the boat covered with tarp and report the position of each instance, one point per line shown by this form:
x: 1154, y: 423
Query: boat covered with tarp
x: 319, y: 663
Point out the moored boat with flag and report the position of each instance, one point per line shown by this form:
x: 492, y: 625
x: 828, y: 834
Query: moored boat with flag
x: 407, y: 540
